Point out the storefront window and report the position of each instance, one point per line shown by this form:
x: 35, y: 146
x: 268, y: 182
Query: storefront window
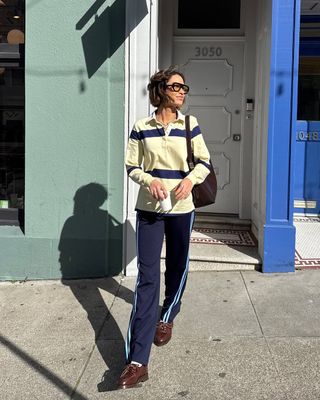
x: 309, y: 64
x: 12, y: 115
x: 309, y: 89
x: 208, y: 14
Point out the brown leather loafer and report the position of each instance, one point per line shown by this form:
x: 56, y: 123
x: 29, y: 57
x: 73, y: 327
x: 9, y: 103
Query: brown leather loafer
x: 132, y: 375
x: 163, y: 333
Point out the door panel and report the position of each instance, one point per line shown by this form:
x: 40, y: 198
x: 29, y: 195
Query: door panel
x: 307, y: 168
x: 307, y: 143
x: 214, y: 70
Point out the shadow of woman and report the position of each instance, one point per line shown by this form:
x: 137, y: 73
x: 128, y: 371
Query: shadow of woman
x: 91, y: 247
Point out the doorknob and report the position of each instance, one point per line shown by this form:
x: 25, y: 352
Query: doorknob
x: 236, y: 137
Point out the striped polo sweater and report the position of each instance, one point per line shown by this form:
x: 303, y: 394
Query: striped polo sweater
x: 155, y: 153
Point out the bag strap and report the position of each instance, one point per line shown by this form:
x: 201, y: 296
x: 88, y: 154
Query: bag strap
x: 190, y: 159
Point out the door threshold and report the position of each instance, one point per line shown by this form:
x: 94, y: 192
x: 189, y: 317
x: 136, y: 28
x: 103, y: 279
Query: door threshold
x: 213, y: 218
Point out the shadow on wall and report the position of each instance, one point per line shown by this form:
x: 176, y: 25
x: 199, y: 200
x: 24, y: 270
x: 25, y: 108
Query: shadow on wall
x: 91, y: 239
x: 109, y: 29
x: 91, y: 246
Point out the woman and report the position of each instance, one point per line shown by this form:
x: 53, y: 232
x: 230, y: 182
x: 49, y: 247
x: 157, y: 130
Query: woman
x: 159, y: 142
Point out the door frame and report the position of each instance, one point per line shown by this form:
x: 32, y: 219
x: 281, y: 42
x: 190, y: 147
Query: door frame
x: 247, y: 36
x: 140, y: 63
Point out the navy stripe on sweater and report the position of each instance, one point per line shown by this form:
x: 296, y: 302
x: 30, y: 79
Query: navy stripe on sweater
x: 129, y: 169
x: 160, y: 132
x: 204, y: 163
x: 146, y: 134
x: 182, y: 132
x: 168, y: 174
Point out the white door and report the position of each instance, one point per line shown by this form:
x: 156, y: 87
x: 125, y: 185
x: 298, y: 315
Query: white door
x: 214, y: 70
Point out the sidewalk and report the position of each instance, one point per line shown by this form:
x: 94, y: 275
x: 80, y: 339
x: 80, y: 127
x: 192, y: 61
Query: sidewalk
x: 239, y: 336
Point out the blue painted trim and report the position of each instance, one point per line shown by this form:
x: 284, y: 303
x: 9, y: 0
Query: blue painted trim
x: 279, y: 249
x: 294, y: 110
x: 279, y: 232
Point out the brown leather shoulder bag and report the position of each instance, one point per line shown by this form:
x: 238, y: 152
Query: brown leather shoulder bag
x: 205, y: 193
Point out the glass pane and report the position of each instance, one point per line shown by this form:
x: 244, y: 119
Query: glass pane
x: 309, y: 89
x: 208, y: 14
x: 12, y: 113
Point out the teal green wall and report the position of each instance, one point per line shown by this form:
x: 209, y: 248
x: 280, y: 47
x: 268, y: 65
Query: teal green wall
x: 74, y: 144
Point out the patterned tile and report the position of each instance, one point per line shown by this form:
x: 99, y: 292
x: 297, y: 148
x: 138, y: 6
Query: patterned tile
x: 306, y: 219
x: 307, y: 254
x: 223, y: 236
x: 306, y: 263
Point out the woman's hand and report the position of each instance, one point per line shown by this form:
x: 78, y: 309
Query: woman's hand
x: 158, y: 191
x: 183, y: 190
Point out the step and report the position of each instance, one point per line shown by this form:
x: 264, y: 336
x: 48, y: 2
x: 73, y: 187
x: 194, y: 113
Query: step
x: 221, y: 257
x: 224, y: 219
x: 205, y: 257
x: 195, y: 265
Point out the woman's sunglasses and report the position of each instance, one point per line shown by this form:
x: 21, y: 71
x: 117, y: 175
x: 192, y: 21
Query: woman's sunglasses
x: 176, y: 87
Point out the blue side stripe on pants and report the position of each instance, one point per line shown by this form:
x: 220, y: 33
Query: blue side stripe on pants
x: 183, y: 279
x: 127, y: 344
x: 128, y: 340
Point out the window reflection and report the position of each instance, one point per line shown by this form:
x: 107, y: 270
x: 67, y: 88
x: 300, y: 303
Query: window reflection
x: 208, y: 14
x: 12, y: 113
x: 309, y: 89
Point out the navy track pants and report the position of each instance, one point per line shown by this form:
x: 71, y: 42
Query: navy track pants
x: 150, y: 231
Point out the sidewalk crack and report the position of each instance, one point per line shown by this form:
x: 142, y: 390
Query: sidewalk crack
x: 252, y: 305
x: 266, y: 340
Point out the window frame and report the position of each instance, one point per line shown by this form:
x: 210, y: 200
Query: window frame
x: 210, y: 32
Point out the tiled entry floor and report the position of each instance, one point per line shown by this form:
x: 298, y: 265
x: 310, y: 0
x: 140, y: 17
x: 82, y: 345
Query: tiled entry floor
x: 307, y: 242
x: 220, y: 243
x: 233, y: 236
x: 240, y: 236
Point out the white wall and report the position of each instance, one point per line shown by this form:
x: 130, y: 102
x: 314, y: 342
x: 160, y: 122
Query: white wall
x: 141, y: 62
x: 263, y: 45
x: 247, y: 119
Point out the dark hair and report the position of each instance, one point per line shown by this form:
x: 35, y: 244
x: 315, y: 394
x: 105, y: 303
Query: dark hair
x: 157, y: 86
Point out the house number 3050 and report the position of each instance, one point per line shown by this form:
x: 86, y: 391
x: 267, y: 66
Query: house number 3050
x: 208, y: 51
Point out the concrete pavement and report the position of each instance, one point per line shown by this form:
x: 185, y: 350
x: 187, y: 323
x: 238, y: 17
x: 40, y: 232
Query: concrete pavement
x: 240, y: 335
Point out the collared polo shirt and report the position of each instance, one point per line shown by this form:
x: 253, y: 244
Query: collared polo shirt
x: 153, y: 153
